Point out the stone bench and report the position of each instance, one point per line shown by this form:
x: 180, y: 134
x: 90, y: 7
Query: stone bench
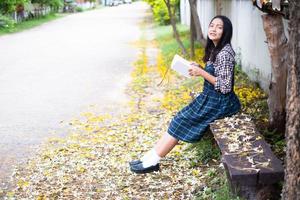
x: 251, y: 167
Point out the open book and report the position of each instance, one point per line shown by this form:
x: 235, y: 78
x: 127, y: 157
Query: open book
x: 181, y: 65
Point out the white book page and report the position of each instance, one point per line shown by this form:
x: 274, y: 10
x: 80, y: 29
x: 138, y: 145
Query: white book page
x: 181, y: 66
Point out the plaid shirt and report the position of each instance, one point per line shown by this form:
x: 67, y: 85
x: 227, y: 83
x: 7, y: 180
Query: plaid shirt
x: 224, y: 66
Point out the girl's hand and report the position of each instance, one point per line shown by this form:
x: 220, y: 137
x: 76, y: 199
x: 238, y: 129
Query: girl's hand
x: 195, y: 70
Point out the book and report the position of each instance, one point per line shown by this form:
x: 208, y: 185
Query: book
x: 181, y: 65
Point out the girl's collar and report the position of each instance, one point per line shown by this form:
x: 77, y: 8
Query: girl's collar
x: 209, y: 62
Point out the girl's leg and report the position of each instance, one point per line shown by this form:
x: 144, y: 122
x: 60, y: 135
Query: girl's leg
x: 165, y: 144
x: 149, y: 162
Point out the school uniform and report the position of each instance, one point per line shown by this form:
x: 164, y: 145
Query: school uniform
x: 214, y: 102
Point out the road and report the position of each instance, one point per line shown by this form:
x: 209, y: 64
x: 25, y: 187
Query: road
x: 52, y: 73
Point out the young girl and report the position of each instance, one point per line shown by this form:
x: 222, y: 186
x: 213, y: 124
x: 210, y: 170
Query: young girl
x: 217, y: 100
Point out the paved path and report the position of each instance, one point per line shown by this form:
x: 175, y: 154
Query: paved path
x: 56, y: 71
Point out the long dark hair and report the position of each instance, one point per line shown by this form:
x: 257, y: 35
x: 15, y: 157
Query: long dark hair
x: 210, y: 50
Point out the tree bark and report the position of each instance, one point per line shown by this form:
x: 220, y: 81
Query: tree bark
x: 195, y: 17
x: 173, y: 24
x: 291, y: 188
x: 219, y: 7
x: 277, y: 44
x: 192, y: 36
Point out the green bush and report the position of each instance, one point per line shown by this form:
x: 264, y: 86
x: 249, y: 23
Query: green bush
x: 56, y: 4
x: 160, y: 11
x: 79, y: 9
x: 9, y: 6
x: 6, y: 22
x: 51, y: 3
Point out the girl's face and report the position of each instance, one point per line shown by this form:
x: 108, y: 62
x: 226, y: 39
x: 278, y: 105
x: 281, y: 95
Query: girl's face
x: 215, y: 30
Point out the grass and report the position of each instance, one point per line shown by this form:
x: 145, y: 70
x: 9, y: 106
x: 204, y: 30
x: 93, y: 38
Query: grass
x: 220, y: 193
x: 205, y: 150
x: 31, y: 23
x: 168, y: 44
x: 218, y: 189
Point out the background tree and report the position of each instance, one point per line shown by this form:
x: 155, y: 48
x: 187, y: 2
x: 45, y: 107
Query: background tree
x: 171, y: 11
x: 55, y: 4
x: 167, y: 12
x: 291, y: 188
x: 277, y: 44
x: 218, y: 7
x: 195, y: 27
x: 9, y: 6
x: 193, y: 36
x: 160, y: 12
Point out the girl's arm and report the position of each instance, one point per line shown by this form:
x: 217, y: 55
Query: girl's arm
x: 196, y: 70
x: 223, y: 79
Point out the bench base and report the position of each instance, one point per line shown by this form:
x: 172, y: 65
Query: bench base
x: 255, y: 192
x: 252, y: 168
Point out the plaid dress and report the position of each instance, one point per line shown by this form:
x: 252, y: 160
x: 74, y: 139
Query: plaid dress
x: 192, y: 121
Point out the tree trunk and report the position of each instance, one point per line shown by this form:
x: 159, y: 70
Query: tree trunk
x: 173, y: 24
x: 219, y: 7
x: 291, y: 188
x: 277, y: 44
x: 195, y: 16
x: 192, y: 36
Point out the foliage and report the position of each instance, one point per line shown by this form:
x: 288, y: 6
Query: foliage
x: 160, y: 12
x: 6, y: 22
x: 205, y: 150
x: 249, y: 95
x: 140, y: 70
x: 29, y: 24
x: 55, y: 4
x: 79, y: 9
x: 254, y: 103
x: 9, y: 6
x: 177, y: 90
x: 277, y: 140
x: 218, y: 187
x: 247, y: 91
x: 175, y: 99
x: 51, y: 3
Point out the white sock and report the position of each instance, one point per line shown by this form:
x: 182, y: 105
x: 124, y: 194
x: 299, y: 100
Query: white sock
x: 147, y: 155
x: 150, y: 158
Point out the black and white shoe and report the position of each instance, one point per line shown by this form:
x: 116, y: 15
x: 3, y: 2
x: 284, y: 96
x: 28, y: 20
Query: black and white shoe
x: 134, y: 162
x: 139, y: 169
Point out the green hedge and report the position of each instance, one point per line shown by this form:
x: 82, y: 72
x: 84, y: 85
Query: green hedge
x: 6, y: 22
x: 10, y: 6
